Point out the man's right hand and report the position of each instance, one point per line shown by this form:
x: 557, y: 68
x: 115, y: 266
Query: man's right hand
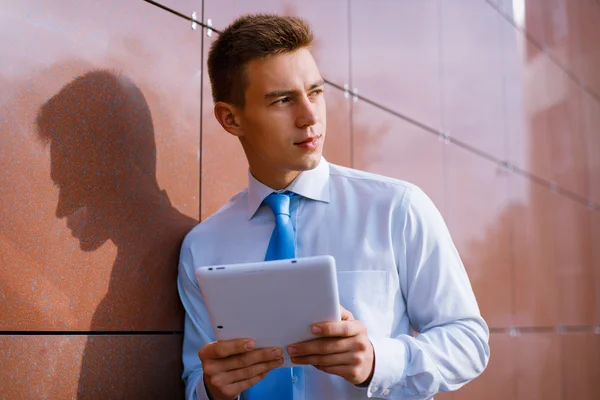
x: 232, y: 366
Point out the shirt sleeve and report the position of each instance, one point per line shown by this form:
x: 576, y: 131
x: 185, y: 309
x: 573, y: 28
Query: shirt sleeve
x: 197, y: 329
x: 452, y: 345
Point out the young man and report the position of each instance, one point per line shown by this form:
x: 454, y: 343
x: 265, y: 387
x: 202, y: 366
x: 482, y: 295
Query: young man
x: 398, y: 269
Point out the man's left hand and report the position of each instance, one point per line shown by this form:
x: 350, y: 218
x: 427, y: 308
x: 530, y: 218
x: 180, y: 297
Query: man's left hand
x: 343, y: 349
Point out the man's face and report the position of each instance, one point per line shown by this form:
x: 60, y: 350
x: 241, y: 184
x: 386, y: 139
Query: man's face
x: 283, y: 122
x: 79, y: 202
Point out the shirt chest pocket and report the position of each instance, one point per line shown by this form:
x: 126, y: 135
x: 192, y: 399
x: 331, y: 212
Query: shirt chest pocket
x: 366, y: 294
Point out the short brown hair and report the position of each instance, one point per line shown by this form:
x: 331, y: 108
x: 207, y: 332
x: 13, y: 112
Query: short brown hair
x: 251, y: 37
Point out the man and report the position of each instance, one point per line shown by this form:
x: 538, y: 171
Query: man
x: 397, y: 266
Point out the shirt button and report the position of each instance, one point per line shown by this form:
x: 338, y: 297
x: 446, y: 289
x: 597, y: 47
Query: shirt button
x: 386, y: 392
x: 295, y: 380
x: 375, y: 388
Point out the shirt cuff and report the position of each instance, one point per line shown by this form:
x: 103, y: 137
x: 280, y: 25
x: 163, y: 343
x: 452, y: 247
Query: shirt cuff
x: 201, y: 389
x: 391, y: 358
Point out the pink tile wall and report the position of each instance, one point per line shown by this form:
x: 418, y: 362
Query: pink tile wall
x: 91, y: 222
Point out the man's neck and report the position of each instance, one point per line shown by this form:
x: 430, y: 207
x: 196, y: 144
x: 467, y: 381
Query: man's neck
x: 275, y: 181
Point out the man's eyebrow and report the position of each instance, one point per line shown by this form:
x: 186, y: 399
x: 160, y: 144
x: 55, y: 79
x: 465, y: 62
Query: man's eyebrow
x: 287, y: 93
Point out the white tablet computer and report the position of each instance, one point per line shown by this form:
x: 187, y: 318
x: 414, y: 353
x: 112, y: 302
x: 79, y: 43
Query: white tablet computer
x: 273, y: 302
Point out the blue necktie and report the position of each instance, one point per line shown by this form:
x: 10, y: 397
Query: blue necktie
x: 279, y: 383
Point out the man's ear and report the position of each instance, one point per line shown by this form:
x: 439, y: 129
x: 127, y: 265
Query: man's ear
x: 228, y: 117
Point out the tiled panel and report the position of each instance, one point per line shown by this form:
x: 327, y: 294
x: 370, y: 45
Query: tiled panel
x: 91, y: 221
x: 90, y: 367
x: 525, y: 99
x: 337, y: 147
x: 569, y: 30
x: 591, y: 115
x: 581, y: 365
x: 224, y: 165
x: 388, y: 145
x: 479, y: 219
x: 395, y: 56
x: 566, y: 132
x: 472, y: 109
x: 497, y: 382
x: 553, y: 25
x: 538, y: 366
x: 328, y: 20
x: 535, y: 286
x: 596, y: 260
x: 572, y: 229
x: 445, y: 396
x: 527, y: 15
x: 589, y: 35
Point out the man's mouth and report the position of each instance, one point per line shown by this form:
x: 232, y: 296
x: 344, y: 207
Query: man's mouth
x: 309, y: 143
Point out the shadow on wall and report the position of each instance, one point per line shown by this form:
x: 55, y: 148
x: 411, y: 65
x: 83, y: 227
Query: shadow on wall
x: 103, y: 161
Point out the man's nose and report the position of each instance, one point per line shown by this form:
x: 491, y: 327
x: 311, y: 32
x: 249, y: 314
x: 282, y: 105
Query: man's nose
x: 64, y: 206
x: 307, y: 113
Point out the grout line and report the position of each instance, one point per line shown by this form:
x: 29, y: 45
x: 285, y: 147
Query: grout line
x: 89, y: 333
x: 559, y: 329
x: 350, y: 84
x: 177, y: 13
x: 201, y: 118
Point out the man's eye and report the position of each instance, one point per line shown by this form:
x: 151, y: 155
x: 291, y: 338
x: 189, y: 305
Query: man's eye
x: 282, y: 101
x: 315, y: 93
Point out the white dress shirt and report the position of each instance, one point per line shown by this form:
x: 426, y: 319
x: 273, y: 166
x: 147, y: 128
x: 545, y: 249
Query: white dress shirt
x: 398, y: 270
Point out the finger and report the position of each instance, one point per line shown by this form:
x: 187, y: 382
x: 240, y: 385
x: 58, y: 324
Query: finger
x: 243, y: 360
x: 322, y: 346
x: 338, y: 328
x: 234, y: 382
x: 225, y: 348
x: 348, y: 372
x: 327, y: 360
x: 346, y: 315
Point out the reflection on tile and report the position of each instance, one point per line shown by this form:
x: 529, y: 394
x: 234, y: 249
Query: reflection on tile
x: 472, y: 75
x: 387, y: 145
x: 566, y: 132
x: 498, y: 379
x: 596, y: 260
x: 337, y: 148
x: 591, y: 116
x: 92, y: 219
x: 328, y: 20
x: 572, y: 229
x: 535, y: 290
x: 581, y: 366
x: 528, y: 15
x: 537, y: 366
x: 589, y: 36
x: 552, y: 25
x: 90, y: 367
x: 525, y: 95
x: 395, y: 56
x: 479, y: 218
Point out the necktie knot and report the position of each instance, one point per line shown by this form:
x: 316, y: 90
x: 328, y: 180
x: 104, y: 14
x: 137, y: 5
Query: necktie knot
x: 279, y: 203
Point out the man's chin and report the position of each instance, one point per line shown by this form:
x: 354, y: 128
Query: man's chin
x: 91, y: 244
x: 311, y: 162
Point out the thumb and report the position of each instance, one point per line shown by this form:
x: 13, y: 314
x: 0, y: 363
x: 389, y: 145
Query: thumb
x: 346, y: 315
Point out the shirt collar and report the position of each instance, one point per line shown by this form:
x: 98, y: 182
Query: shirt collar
x: 313, y: 184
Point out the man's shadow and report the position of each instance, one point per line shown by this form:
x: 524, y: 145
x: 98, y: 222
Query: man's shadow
x: 103, y: 161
